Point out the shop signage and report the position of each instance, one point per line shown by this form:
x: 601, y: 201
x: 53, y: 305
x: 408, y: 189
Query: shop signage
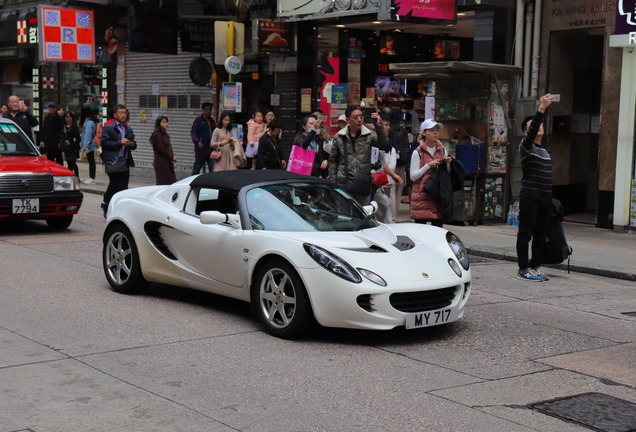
x: 28, y: 29
x: 424, y: 11
x: 275, y: 37
x: 197, y: 36
x: 67, y: 35
x: 286, y: 8
x: 625, y: 26
x: 233, y: 65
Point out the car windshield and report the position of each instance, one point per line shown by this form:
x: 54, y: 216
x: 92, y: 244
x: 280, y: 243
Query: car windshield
x: 14, y: 143
x: 305, y: 207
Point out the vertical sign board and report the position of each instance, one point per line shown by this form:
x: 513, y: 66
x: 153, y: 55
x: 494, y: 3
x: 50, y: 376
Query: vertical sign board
x: 66, y: 35
x: 625, y: 26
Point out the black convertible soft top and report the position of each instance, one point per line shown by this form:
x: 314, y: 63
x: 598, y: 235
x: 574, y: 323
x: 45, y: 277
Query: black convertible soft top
x: 235, y: 180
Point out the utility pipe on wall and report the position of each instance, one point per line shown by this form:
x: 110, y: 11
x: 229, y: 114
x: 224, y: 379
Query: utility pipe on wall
x: 536, y: 39
x: 519, y: 34
x: 527, y: 49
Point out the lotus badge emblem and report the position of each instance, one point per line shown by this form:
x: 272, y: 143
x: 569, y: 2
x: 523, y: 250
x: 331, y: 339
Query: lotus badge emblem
x: 425, y: 275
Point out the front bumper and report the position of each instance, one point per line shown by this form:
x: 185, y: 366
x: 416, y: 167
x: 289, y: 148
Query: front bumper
x: 51, y: 205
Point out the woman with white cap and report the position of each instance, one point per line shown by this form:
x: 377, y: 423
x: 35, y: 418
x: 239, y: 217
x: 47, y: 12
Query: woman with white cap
x: 428, y: 156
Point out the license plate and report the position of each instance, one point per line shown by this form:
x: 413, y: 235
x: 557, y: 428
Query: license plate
x: 431, y: 318
x: 26, y: 205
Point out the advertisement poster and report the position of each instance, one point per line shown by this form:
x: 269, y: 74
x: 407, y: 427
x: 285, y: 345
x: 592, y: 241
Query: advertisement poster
x: 353, y: 90
x: 330, y: 76
x: 432, y: 11
x: 353, y: 69
x: 275, y: 37
x: 339, y: 95
x: 231, y: 96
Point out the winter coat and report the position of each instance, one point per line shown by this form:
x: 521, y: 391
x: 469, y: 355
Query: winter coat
x: 201, y: 131
x: 423, y: 206
x: 358, y: 155
x: 163, y: 157
x: 268, y: 153
x: 51, y: 131
x: 112, y: 146
x: 440, y: 187
x: 72, y: 135
x: 25, y: 120
x: 89, y: 129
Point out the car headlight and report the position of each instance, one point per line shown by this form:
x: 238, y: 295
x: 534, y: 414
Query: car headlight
x: 333, y: 263
x: 458, y: 249
x: 65, y: 183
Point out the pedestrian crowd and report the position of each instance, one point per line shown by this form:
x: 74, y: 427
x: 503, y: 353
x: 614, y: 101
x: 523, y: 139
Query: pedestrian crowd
x: 372, y: 159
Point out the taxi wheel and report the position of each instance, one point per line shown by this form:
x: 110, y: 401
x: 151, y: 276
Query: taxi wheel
x: 59, y: 222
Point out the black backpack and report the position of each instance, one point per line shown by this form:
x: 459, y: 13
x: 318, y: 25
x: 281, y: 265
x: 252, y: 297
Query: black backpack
x: 556, y: 249
x: 400, y: 142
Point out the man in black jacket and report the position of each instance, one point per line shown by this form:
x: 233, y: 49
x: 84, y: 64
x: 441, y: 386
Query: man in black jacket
x: 52, y: 128
x: 19, y: 113
x: 118, y: 141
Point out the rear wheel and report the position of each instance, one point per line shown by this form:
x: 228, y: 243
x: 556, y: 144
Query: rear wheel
x: 120, y: 260
x: 281, y: 301
x: 59, y: 222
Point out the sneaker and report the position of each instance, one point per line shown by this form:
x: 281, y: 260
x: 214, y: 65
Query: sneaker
x: 89, y: 181
x: 529, y: 275
x: 539, y: 272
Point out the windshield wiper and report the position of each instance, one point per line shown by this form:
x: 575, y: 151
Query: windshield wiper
x: 363, y: 223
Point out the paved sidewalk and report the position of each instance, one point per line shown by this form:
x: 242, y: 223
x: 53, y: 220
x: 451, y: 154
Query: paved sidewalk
x: 596, y: 251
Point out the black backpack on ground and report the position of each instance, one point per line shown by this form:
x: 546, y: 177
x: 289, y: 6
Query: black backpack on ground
x: 556, y: 249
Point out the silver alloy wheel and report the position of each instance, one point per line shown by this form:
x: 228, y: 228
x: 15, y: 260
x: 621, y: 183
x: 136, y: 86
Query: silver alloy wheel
x: 277, y: 298
x: 119, y: 258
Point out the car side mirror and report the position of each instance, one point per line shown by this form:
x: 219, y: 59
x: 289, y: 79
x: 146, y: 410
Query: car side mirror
x: 216, y: 217
x: 371, y: 208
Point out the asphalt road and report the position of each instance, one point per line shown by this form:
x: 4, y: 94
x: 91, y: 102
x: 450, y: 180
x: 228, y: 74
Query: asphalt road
x: 76, y: 356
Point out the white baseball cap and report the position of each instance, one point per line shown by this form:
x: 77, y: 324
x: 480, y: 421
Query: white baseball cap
x: 342, y: 117
x: 429, y: 124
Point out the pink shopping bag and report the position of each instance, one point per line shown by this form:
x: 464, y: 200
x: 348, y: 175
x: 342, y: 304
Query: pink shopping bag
x: 301, y: 161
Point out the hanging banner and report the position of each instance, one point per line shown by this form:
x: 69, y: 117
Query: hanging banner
x: 66, y: 35
x: 275, y: 37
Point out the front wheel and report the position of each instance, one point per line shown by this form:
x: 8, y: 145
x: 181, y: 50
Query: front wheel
x: 120, y: 260
x: 59, y: 222
x: 280, y: 300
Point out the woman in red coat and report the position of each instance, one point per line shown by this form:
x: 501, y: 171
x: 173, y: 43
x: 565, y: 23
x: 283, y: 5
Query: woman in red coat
x: 164, y: 161
x: 427, y: 157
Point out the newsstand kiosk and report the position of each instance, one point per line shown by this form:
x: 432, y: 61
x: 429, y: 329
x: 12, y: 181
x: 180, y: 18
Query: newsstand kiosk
x: 474, y: 101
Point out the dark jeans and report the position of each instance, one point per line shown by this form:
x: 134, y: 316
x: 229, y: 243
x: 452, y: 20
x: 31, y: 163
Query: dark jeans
x: 90, y: 157
x: 117, y: 182
x: 72, y: 165
x: 54, y: 154
x: 200, y: 160
x: 534, y: 220
x: 434, y: 222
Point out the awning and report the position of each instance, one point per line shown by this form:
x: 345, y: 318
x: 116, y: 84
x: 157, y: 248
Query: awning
x: 441, y: 70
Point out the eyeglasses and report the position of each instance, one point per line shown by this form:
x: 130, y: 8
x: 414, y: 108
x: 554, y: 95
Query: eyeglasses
x: 357, y: 117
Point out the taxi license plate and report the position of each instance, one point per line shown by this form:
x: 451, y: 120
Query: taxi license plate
x: 431, y: 318
x: 26, y: 205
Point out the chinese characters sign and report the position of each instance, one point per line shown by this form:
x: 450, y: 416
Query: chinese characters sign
x: 66, y: 35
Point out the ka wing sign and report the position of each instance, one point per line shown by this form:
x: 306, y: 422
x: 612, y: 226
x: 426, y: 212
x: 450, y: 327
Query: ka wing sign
x: 625, y: 27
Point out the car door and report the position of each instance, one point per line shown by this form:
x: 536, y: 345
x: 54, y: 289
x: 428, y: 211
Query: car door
x: 212, y: 251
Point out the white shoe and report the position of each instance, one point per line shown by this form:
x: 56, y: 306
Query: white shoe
x: 88, y: 181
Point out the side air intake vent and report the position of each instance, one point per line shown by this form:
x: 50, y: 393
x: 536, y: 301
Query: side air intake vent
x: 404, y: 243
x: 153, y: 231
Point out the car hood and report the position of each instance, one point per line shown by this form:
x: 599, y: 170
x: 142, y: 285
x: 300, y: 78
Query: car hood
x: 398, y: 252
x: 32, y: 164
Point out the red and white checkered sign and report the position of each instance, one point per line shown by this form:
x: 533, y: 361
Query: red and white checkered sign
x: 66, y: 35
x: 104, y: 98
x: 48, y: 83
x: 22, y: 31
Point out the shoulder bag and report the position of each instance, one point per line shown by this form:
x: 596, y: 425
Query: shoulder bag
x: 356, y: 183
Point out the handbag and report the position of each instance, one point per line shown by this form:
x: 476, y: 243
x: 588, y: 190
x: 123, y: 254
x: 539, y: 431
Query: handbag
x: 119, y: 166
x: 301, y: 161
x: 216, y: 154
x: 380, y: 178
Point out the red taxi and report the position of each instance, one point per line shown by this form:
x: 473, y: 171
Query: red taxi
x: 32, y: 187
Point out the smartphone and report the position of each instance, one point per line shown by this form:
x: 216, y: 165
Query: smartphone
x: 557, y: 97
x: 367, y: 115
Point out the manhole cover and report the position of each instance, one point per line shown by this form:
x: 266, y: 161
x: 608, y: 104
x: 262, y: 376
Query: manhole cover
x: 631, y: 314
x: 596, y: 411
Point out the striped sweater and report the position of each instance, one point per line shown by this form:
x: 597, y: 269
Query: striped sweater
x: 536, y: 165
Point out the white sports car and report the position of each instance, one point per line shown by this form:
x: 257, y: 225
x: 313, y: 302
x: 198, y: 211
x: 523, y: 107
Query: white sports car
x: 298, y: 248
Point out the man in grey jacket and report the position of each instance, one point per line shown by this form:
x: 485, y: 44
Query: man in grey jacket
x: 354, y: 143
